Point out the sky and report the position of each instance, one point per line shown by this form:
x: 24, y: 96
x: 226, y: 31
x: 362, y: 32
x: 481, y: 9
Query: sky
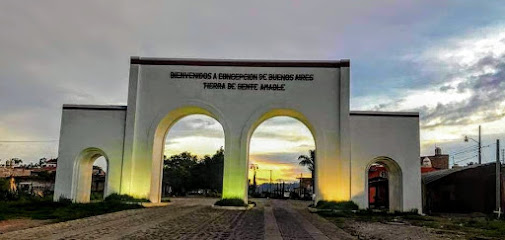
x: 275, y: 145
x: 445, y: 59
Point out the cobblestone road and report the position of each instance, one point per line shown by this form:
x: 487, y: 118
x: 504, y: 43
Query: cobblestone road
x: 194, y: 218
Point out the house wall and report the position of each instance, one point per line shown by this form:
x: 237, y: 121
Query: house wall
x: 465, y: 191
x: 391, y: 135
x: 84, y: 128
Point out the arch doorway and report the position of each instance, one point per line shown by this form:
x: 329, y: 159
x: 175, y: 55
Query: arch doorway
x: 92, y: 179
x: 193, y: 157
x: 384, y: 184
x: 281, y: 159
x: 161, y: 146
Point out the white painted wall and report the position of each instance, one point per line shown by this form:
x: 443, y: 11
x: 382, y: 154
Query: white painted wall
x: 322, y: 104
x: 84, y: 127
x: 393, y: 135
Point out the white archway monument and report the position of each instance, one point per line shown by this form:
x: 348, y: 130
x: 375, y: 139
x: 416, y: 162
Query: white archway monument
x: 239, y: 94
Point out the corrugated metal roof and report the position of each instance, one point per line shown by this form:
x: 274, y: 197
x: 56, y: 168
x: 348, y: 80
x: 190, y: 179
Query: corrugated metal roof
x: 436, y: 175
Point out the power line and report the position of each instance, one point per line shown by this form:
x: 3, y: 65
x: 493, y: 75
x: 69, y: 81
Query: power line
x: 26, y: 141
x: 464, y: 159
x: 466, y: 151
x: 462, y: 149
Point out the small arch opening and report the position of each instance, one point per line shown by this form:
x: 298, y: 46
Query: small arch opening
x: 384, y: 185
x: 92, y: 181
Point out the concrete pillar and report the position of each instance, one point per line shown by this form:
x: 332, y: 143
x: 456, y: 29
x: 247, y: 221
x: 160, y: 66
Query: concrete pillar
x: 235, y: 166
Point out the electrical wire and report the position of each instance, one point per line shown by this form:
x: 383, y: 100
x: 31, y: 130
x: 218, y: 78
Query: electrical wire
x: 464, y: 159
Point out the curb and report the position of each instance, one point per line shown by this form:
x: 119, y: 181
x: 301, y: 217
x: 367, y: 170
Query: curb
x: 234, y: 208
x: 150, y: 204
x: 316, y: 210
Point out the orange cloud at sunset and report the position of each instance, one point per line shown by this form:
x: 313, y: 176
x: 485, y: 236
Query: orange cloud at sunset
x: 281, y: 171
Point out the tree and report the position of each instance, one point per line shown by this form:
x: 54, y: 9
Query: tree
x: 17, y: 161
x: 4, y: 189
x: 177, y: 172
x: 185, y: 172
x: 309, y: 162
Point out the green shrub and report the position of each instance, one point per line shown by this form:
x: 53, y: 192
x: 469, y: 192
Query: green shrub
x: 235, y: 202
x: 96, y: 196
x: 123, y: 198
x: 81, y: 210
x: 63, y: 210
x: 344, y: 205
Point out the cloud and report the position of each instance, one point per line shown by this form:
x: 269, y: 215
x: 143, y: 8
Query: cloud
x: 470, y: 75
x: 285, y: 136
x: 56, y: 52
x: 284, y: 167
x: 196, y: 126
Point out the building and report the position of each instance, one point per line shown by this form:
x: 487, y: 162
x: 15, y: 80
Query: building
x: 36, y: 185
x: 51, y: 163
x: 462, y: 190
x: 436, y: 162
x: 240, y: 95
x: 6, y: 172
x: 305, y: 188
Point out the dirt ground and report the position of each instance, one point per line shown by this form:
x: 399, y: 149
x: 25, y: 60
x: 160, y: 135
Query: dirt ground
x: 392, y: 230
x: 20, y: 224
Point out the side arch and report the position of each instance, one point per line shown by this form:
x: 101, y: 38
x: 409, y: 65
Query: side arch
x: 83, y: 171
x: 158, y: 141
x: 395, y: 182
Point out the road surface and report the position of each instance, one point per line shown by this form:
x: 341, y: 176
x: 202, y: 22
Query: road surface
x: 194, y: 218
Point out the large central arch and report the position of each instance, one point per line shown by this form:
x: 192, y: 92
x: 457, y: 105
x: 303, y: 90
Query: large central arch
x: 256, y: 120
x: 158, y: 143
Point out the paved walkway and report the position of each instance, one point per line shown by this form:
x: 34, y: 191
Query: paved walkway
x: 193, y: 218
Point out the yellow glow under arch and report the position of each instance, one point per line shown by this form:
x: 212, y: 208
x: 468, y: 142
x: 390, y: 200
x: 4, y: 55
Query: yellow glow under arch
x: 251, y: 127
x: 159, y: 141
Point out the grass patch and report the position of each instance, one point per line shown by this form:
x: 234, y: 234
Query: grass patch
x: 233, y: 202
x: 343, y: 205
x: 45, y: 208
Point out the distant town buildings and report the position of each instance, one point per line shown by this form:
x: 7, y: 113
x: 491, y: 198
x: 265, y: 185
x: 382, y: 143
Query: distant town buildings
x: 435, y: 162
x: 38, y: 178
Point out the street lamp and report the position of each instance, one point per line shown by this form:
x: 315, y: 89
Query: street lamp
x: 479, y: 144
x: 254, y: 167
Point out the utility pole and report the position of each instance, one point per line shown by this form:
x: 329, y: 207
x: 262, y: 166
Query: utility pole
x: 498, y: 187
x: 270, y: 181
x: 480, y: 148
x: 503, y: 155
